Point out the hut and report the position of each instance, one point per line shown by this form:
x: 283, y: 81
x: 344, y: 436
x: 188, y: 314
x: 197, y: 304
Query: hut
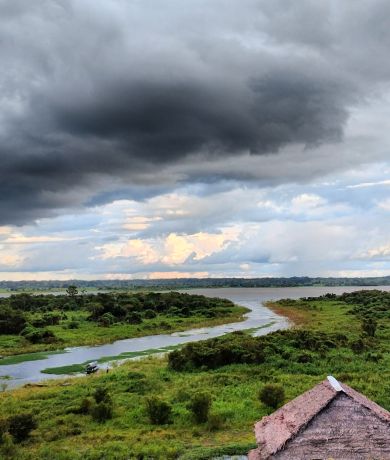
x: 330, y: 421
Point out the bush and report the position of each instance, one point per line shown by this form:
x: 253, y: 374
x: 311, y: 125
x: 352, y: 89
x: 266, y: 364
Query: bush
x: 358, y: 346
x: 272, y: 395
x: 159, y: 411
x: 106, y: 320
x: 20, y: 426
x: 200, y: 405
x: 102, y: 411
x: 36, y: 335
x: 101, y: 395
x: 73, y: 324
x: 85, y: 406
x: 369, y: 326
x: 133, y: 318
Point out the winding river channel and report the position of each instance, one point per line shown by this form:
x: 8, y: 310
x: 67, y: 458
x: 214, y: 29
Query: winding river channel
x: 260, y: 320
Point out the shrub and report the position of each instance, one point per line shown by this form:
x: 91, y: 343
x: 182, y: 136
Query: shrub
x: 102, y: 411
x: 106, y: 320
x: 101, y: 395
x: 369, y: 326
x: 20, y: 426
x: 200, y: 405
x: 85, y: 406
x: 133, y: 318
x: 73, y: 324
x: 272, y: 395
x: 159, y: 411
x: 36, y: 335
x: 358, y: 346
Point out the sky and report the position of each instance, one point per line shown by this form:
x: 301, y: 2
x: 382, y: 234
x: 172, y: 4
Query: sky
x: 146, y: 139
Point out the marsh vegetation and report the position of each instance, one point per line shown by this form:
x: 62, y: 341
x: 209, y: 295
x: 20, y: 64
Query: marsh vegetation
x: 203, y: 399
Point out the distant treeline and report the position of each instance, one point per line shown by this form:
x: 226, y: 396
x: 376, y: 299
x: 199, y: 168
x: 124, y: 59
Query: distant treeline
x: 184, y: 283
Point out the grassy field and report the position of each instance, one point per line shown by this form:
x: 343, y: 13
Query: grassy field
x: 324, y: 343
x: 90, y: 333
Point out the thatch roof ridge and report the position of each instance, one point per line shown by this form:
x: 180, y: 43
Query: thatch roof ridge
x: 273, y: 431
x: 371, y: 405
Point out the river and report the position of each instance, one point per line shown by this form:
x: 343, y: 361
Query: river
x: 259, y: 319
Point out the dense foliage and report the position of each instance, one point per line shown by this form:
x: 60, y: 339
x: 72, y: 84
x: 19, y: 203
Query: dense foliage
x: 119, y: 305
x: 34, y: 317
x: 240, y: 348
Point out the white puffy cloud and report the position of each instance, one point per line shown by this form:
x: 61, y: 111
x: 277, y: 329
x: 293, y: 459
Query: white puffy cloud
x: 173, y: 249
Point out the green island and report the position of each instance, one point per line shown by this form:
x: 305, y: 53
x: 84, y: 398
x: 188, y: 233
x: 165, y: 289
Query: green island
x: 202, y: 400
x: 45, y: 322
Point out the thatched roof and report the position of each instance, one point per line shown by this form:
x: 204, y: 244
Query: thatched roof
x: 326, y: 420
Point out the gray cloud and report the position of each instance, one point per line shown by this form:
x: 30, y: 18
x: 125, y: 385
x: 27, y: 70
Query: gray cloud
x: 100, y: 97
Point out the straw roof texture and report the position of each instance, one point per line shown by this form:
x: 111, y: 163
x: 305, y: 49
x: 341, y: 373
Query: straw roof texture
x: 328, y: 421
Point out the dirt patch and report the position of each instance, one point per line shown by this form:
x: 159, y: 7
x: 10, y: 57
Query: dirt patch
x: 297, y: 316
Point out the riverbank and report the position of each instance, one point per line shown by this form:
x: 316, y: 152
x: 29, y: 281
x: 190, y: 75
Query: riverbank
x: 296, y: 359
x: 91, y: 334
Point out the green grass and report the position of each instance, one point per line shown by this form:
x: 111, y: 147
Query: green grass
x: 64, y: 435
x: 16, y: 359
x: 90, y: 333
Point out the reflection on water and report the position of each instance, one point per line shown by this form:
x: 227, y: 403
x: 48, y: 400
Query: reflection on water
x: 260, y: 319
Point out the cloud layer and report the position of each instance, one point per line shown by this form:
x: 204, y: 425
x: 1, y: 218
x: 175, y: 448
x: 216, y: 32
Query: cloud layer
x: 100, y: 98
x: 327, y: 228
x: 141, y: 139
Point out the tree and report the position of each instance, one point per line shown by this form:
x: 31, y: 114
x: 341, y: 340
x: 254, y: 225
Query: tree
x: 107, y: 319
x: 72, y: 291
x: 133, y: 318
x: 11, y: 321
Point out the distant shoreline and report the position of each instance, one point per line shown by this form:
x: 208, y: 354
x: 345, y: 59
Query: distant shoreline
x: 191, y: 283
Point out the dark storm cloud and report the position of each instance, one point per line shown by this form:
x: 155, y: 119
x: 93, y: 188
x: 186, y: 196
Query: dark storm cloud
x: 165, y: 122
x: 98, y: 95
